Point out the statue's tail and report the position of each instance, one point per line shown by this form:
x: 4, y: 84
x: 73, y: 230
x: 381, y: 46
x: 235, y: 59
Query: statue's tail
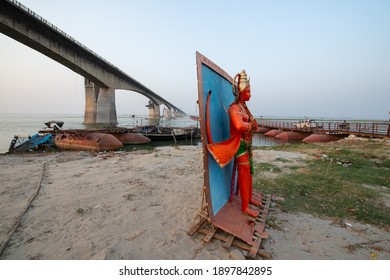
x: 208, y: 131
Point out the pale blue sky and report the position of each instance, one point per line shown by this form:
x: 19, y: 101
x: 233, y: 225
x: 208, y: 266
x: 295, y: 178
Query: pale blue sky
x: 305, y: 58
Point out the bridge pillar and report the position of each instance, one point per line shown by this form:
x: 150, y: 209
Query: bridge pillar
x: 167, y: 113
x: 106, y: 110
x: 154, y: 110
x: 91, y: 96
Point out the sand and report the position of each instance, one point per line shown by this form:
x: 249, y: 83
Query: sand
x: 140, y: 205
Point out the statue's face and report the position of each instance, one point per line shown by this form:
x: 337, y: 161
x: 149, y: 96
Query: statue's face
x: 246, y: 94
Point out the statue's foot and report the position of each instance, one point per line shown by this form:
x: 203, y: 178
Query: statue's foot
x: 251, y: 212
x: 255, y: 202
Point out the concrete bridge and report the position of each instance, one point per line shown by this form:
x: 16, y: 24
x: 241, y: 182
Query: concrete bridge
x: 101, y: 77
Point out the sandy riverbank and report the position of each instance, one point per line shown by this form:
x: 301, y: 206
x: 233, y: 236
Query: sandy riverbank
x: 140, y: 205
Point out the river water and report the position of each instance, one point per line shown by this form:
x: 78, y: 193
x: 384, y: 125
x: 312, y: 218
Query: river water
x: 28, y: 124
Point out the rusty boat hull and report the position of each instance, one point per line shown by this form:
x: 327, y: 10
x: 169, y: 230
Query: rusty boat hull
x: 291, y: 135
x: 273, y: 132
x: 131, y: 138
x: 320, y: 138
x: 262, y: 129
x: 87, y: 141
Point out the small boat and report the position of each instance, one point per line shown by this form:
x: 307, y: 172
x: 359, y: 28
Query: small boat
x: 94, y: 141
x: 155, y: 132
x: 54, y: 124
x: 24, y: 144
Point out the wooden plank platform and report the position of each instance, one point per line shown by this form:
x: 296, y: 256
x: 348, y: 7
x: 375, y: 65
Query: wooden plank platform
x: 236, y: 229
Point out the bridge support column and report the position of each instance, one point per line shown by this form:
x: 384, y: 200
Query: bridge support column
x: 167, y: 113
x: 106, y: 110
x: 154, y: 110
x: 91, y: 96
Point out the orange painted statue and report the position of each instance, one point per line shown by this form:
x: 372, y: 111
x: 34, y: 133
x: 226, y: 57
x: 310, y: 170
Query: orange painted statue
x: 239, y: 145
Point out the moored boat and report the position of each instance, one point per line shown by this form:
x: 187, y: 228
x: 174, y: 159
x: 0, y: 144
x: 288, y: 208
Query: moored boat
x: 94, y: 141
x: 155, y: 132
x: 262, y: 129
x: 320, y: 138
x: 131, y: 138
x: 54, y: 124
x: 291, y: 135
x: 24, y: 144
x: 273, y: 132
